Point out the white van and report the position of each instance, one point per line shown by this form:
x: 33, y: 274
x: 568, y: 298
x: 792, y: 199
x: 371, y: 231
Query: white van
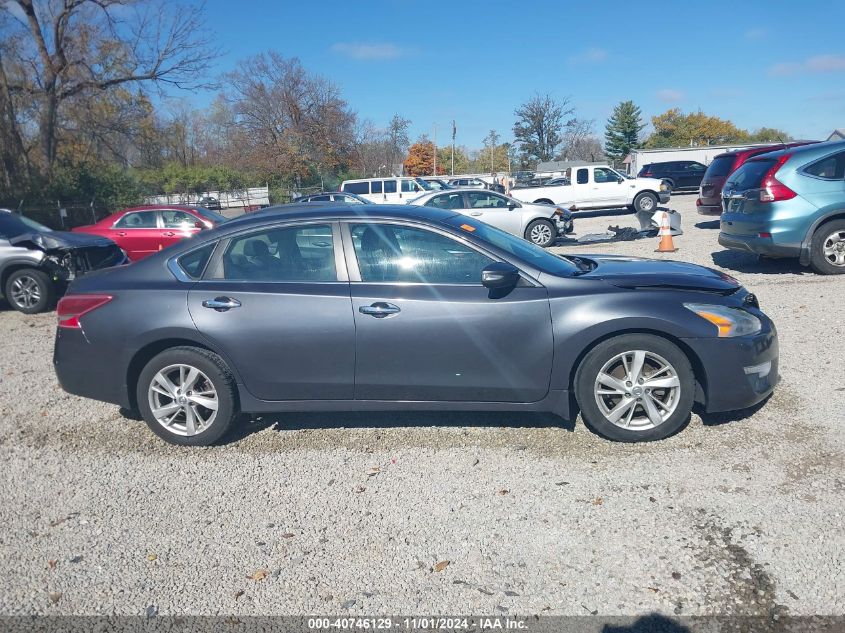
x: 387, y: 190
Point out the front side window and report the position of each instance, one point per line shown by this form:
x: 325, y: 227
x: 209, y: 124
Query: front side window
x: 485, y: 200
x: 829, y: 168
x: 409, y: 186
x: 138, y: 220
x: 300, y: 253
x: 357, y: 187
x: 396, y: 253
x: 605, y: 175
x: 178, y: 220
x: 446, y: 201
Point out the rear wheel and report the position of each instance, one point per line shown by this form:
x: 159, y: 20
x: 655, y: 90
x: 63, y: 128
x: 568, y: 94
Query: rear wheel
x: 187, y: 396
x: 635, y: 388
x: 541, y: 232
x: 30, y: 291
x: 827, y: 252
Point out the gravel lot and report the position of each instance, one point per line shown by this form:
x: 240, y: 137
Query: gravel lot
x: 737, y: 514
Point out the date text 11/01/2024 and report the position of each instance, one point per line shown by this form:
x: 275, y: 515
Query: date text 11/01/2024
x: 418, y: 624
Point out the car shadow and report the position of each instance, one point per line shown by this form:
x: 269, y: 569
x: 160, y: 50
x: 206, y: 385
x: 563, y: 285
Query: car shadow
x: 743, y: 262
x: 727, y: 417
x: 712, y: 224
x: 282, y: 422
x: 651, y: 623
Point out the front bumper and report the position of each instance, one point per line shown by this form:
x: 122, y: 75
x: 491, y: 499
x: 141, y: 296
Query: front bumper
x: 664, y: 196
x: 739, y: 372
x: 758, y: 245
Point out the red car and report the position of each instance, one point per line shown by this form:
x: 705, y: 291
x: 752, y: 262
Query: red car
x: 142, y: 231
x: 710, y: 193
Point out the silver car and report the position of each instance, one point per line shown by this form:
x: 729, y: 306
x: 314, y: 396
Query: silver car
x: 541, y: 224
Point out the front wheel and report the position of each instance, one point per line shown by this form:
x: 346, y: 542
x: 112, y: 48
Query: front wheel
x: 187, y: 396
x: 827, y: 251
x: 30, y: 291
x: 541, y: 232
x: 645, y: 202
x: 635, y: 388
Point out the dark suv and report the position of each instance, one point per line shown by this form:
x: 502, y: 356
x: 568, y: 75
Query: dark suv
x: 679, y: 174
x: 710, y: 196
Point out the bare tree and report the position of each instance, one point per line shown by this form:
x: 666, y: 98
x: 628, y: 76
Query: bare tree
x: 539, y: 125
x: 579, y: 142
x: 80, y: 49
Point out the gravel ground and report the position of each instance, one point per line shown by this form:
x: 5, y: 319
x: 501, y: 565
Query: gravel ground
x: 738, y: 514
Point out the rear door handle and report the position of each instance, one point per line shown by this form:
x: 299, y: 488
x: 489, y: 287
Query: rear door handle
x: 221, y: 304
x: 379, y: 309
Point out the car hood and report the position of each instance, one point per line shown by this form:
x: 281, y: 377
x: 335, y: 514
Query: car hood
x: 637, y: 272
x: 60, y: 240
x: 651, y: 183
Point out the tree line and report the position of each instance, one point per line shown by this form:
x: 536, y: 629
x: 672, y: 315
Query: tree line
x: 87, y: 112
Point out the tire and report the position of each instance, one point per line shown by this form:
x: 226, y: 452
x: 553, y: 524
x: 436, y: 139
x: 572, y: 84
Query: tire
x: 645, y: 202
x: 640, y: 418
x: 541, y: 232
x: 827, y: 250
x: 178, y: 408
x: 30, y: 291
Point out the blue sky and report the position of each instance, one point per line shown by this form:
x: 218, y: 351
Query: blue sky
x: 758, y: 63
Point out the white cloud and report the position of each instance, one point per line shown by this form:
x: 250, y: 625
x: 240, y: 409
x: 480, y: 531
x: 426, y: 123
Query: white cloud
x: 369, y: 51
x: 670, y: 95
x: 828, y: 63
x: 589, y: 56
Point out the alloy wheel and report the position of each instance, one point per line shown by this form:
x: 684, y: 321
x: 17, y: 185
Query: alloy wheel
x: 25, y: 292
x: 183, y: 400
x: 646, y: 203
x: 834, y: 248
x: 637, y: 390
x: 541, y: 234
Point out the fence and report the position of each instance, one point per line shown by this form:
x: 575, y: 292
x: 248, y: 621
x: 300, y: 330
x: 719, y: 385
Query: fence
x: 236, y: 199
x: 60, y: 216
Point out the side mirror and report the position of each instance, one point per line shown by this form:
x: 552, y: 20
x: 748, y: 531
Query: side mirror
x: 512, y: 205
x: 499, y: 275
x: 199, y: 224
x: 620, y: 180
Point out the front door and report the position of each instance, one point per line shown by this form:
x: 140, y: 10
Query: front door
x: 176, y: 226
x: 137, y: 233
x: 277, y: 304
x: 606, y: 188
x: 494, y: 209
x: 427, y: 330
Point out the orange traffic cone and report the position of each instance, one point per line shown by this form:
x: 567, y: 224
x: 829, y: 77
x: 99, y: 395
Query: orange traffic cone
x: 666, y: 244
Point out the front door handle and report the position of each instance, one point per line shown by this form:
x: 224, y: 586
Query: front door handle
x: 221, y: 304
x: 168, y: 234
x: 476, y: 213
x: 121, y: 234
x: 379, y: 309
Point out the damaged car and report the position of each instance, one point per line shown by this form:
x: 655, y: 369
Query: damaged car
x: 37, y: 263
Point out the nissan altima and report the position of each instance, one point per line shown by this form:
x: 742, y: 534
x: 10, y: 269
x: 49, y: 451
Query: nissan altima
x: 379, y: 307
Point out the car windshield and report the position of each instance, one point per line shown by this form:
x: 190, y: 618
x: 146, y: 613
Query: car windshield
x: 750, y: 175
x: 211, y: 216
x: 538, y: 257
x: 12, y: 225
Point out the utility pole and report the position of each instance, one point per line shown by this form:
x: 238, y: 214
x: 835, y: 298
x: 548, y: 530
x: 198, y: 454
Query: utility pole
x: 435, y: 150
x: 454, y: 129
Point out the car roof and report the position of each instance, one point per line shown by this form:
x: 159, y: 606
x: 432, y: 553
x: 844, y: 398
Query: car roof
x: 158, y: 207
x: 764, y: 149
x: 324, y: 211
x: 808, y: 151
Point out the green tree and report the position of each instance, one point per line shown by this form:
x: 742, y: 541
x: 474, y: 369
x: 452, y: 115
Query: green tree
x: 765, y: 134
x: 622, y: 133
x: 673, y: 128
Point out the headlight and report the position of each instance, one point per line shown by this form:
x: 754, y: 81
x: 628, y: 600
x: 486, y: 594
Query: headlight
x: 728, y: 321
x: 664, y: 186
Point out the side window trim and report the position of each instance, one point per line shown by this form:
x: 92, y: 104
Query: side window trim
x: 352, y: 259
x: 214, y: 269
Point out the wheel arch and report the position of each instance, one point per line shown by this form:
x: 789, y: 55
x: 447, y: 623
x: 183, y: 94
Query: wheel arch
x: 695, y: 362
x: 15, y: 265
x: 806, y: 244
x: 543, y: 201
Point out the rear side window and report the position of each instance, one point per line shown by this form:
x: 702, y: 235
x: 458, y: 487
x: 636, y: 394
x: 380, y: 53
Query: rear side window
x: 828, y: 168
x: 750, y: 175
x: 194, y: 263
x: 389, y: 186
x: 142, y: 220
x: 357, y: 187
x: 375, y: 186
x: 582, y: 177
x: 720, y: 167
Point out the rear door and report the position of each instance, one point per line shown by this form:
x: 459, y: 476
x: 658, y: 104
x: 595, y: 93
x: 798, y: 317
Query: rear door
x: 427, y: 330
x: 138, y: 233
x: 691, y: 174
x: 288, y: 329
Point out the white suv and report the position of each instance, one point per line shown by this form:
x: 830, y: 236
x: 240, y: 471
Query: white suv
x: 386, y: 190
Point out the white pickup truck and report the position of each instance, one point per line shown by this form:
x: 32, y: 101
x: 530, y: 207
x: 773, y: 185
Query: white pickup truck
x: 598, y: 187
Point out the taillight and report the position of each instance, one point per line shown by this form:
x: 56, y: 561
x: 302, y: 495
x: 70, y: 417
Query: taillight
x: 772, y: 189
x: 698, y: 202
x: 74, y: 307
